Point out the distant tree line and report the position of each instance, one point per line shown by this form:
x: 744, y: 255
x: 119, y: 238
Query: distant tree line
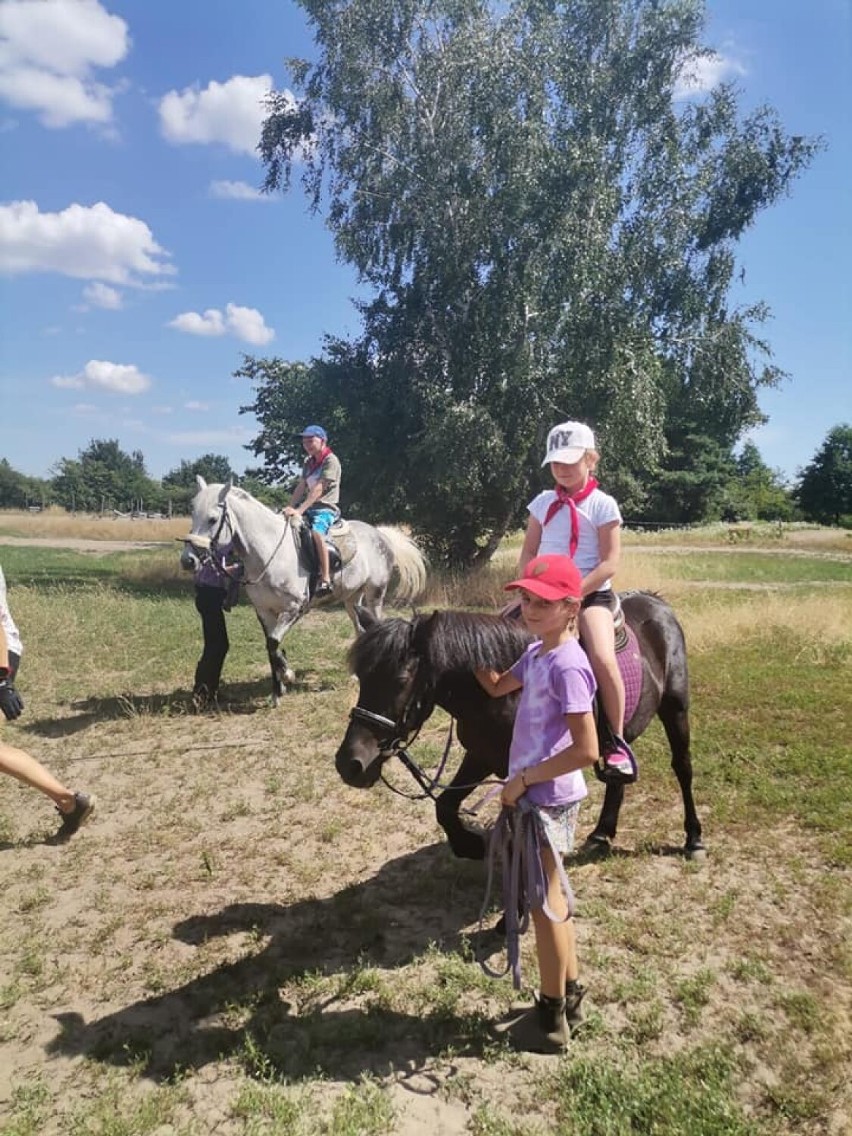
x: 105, y: 479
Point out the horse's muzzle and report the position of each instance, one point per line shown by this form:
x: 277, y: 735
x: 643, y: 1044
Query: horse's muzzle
x: 360, y: 758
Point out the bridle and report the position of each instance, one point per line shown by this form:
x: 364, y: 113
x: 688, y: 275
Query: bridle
x: 394, y: 738
x: 225, y: 519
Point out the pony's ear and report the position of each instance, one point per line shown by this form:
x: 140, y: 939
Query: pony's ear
x: 224, y: 491
x: 365, y: 618
x: 200, y: 482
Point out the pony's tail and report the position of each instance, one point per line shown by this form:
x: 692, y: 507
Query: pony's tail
x: 408, y: 561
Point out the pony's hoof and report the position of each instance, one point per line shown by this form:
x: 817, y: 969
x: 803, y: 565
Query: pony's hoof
x: 468, y: 846
x: 596, y: 847
x: 696, y: 855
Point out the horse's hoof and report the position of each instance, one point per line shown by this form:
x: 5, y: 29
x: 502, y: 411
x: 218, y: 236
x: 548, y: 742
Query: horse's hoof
x: 596, y: 847
x: 469, y: 847
x: 696, y: 855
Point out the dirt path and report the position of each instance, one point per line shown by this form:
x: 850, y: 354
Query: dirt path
x: 75, y: 544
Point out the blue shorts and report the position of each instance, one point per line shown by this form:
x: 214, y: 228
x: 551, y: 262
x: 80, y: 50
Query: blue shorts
x: 320, y: 518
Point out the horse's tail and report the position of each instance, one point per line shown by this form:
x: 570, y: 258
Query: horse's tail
x: 408, y: 561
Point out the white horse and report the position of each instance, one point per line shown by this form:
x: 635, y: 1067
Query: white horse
x: 278, y: 564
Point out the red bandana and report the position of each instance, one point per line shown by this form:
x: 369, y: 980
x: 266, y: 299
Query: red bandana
x: 316, y: 460
x: 563, y: 497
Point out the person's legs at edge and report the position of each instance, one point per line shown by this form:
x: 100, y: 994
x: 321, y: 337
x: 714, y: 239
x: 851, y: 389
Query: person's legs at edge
x: 74, y: 808
x: 27, y: 770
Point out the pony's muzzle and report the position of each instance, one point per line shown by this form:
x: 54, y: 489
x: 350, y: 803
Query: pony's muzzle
x: 359, y: 759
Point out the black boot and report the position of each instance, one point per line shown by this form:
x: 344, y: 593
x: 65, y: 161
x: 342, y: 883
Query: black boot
x: 543, y: 1028
x: 574, y: 995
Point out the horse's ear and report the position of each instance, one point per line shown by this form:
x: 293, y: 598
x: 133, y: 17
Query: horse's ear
x: 200, y: 482
x: 225, y: 490
x: 365, y: 618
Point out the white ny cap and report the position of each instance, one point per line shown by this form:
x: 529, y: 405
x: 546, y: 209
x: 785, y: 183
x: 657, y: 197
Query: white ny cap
x: 567, y: 443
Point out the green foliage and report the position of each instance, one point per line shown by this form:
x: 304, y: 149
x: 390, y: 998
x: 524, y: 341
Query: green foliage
x: 104, y: 477
x: 824, y: 491
x: 757, y: 493
x: 17, y: 491
x: 549, y: 234
x: 181, y: 486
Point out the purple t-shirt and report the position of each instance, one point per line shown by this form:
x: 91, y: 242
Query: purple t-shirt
x: 556, y: 683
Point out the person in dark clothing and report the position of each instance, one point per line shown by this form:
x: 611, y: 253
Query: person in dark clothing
x: 217, y: 586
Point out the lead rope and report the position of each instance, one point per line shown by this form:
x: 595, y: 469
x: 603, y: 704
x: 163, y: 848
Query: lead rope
x: 517, y: 840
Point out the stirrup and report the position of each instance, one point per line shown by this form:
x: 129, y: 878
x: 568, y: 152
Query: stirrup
x: 613, y: 776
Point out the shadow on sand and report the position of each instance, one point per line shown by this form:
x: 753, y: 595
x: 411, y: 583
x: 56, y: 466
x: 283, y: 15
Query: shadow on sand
x: 237, y: 1010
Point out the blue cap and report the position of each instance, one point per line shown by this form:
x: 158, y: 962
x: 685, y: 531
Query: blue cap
x: 314, y: 432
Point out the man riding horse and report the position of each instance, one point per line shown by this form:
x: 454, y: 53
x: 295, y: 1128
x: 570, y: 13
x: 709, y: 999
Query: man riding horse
x: 316, y: 497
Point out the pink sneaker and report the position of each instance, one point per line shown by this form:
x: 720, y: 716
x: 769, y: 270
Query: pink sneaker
x: 619, y: 765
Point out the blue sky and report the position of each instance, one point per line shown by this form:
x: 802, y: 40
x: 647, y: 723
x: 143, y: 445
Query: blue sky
x: 137, y: 264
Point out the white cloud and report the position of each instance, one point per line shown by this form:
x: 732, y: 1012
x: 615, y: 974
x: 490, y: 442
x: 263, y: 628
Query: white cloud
x: 48, y: 51
x: 245, y: 323
x: 248, y: 324
x: 195, y: 405
x: 86, y: 242
x: 701, y: 73
x: 102, y: 296
x: 207, y: 323
x: 231, y: 113
x: 116, y: 378
x: 237, y: 191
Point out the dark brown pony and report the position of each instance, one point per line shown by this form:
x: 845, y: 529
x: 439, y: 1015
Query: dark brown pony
x: 407, y: 667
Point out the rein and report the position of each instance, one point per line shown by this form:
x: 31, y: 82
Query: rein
x: 517, y: 841
x: 226, y: 520
x: 396, y: 744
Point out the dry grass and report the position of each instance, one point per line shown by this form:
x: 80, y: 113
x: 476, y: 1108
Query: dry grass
x: 56, y: 524
x: 239, y: 944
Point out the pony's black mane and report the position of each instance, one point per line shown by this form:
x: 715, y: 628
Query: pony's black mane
x: 445, y: 641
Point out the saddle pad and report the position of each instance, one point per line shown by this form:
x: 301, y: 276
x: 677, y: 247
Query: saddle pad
x: 630, y: 665
x: 343, y: 538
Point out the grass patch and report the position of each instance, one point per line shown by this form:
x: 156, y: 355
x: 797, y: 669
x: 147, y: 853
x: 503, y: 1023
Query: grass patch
x: 686, y: 1094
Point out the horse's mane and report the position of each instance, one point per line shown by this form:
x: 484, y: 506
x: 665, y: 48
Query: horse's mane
x: 445, y: 641
x: 387, y: 642
x: 465, y: 641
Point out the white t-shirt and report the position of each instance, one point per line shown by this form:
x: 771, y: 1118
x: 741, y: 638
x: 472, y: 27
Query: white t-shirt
x: 13, y: 637
x: 596, y: 510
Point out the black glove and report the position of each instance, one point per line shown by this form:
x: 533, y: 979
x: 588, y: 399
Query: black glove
x: 11, y: 702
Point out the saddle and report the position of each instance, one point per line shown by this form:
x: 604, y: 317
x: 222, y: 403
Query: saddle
x: 340, y: 541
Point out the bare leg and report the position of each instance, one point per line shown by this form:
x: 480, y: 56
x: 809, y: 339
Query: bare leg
x: 555, y: 943
x: 322, y: 553
x: 599, y: 639
x: 22, y: 767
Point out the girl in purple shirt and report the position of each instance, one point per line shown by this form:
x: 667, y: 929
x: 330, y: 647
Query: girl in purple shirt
x: 553, y: 740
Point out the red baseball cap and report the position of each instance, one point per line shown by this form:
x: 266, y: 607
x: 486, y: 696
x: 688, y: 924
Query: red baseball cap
x: 551, y: 577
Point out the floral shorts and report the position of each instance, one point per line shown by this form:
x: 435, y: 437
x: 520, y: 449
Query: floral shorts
x: 558, y: 823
